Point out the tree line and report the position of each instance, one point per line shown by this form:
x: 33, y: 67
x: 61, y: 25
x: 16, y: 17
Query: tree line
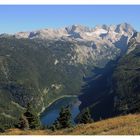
x: 30, y: 119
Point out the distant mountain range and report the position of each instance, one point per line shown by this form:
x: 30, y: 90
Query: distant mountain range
x: 42, y: 66
x: 100, y: 43
x: 100, y: 37
x: 81, y: 33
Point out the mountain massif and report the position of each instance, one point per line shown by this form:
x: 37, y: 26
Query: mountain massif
x: 115, y: 89
x: 99, y: 65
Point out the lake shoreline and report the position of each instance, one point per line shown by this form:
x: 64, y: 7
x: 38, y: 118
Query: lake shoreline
x: 61, y: 97
x: 52, y: 111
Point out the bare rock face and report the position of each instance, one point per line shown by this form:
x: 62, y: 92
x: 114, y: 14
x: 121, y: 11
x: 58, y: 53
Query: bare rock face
x: 96, y: 44
x: 84, y: 32
x: 133, y: 42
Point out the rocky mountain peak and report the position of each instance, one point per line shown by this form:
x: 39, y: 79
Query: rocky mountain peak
x: 77, y: 28
x: 124, y: 28
x: 81, y: 32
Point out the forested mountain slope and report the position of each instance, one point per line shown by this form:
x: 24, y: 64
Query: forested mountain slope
x: 115, y: 89
x: 39, y: 67
x: 126, y: 79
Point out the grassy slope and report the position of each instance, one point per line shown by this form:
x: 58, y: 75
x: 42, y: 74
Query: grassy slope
x: 123, y: 125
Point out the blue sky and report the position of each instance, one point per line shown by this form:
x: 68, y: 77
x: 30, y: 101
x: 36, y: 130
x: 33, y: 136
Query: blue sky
x: 31, y: 17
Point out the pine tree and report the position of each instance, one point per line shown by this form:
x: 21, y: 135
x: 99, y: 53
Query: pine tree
x: 64, y: 119
x: 23, y: 123
x: 2, y: 130
x: 55, y: 125
x: 32, y: 117
x: 85, y: 117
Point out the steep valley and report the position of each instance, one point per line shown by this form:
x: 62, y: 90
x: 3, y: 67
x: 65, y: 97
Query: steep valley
x: 115, y: 90
x: 41, y: 66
